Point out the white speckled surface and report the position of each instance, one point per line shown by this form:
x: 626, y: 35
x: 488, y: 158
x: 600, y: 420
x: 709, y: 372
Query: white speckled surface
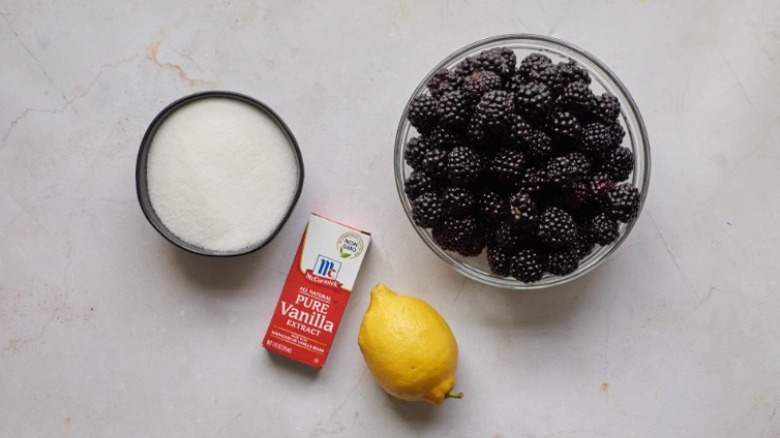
x: 108, y: 330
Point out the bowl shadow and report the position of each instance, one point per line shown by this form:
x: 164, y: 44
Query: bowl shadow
x: 540, y: 308
x: 216, y: 275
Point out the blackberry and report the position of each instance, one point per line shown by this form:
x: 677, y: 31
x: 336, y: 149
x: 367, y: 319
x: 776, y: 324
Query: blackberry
x: 523, y: 211
x: 603, y: 229
x: 515, y: 82
x: 617, y: 132
x: 533, y: 100
x: 535, y: 144
x: 562, y: 262
x: 422, y: 113
x: 596, y: 138
x: 606, y: 108
x: 556, y: 228
x: 599, y: 185
x: 435, y: 163
x: 569, y: 168
x: 415, y: 151
x: 443, y: 139
x: 417, y: 183
x: 507, y: 166
x: 427, y: 209
x: 466, y: 67
x: 500, y: 60
x: 538, y: 145
x: 618, y: 163
x: 577, y: 97
x: 518, y: 129
x: 534, y: 181
x: 453, y: 110
x: 457, y: 201
x: 464, y: 166
x: 563, y: 124
x: 458, y: 234
x: 574, y: 72
x: 479, y: 83
x: 475, y: 133
x: 491, y: 115
x: 552, y: 77
x: 526, y: 266
x: 575, y: 195
x: 492, y: 206
x: 505, y: 235
x: 498, y: 260
x: 442, y: 82
x: 473, y: 247
x: 624, y: 202
x: 533, y: 63
x: 585, y: 242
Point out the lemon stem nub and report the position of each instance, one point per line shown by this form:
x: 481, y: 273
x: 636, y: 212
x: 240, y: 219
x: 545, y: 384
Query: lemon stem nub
x: 452, y: 394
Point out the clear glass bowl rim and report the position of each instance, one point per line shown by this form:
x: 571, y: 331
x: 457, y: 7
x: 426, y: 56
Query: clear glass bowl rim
x: 637, y: 134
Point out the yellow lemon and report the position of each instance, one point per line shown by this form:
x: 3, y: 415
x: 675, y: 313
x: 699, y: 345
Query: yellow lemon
x: 408, y: 347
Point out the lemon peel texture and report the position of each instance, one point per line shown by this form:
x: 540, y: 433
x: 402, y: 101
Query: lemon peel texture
x: 408, y: 347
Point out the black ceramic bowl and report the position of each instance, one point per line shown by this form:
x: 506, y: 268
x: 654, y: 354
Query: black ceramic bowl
x: 142, y: 188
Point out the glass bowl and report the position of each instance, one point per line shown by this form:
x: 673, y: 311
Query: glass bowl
x: 603, y: 80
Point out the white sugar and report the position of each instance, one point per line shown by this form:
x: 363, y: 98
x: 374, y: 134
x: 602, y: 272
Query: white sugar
x: 221, y: 174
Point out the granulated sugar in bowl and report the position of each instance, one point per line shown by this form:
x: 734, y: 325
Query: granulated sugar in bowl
x: 218, y: 173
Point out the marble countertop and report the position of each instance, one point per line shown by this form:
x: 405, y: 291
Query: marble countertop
x: 106, y: 329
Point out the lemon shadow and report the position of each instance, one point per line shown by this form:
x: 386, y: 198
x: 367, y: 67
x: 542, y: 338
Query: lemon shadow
x: 416, y: 414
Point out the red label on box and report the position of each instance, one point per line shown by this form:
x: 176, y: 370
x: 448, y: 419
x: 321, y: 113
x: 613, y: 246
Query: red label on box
x: 316, y: 291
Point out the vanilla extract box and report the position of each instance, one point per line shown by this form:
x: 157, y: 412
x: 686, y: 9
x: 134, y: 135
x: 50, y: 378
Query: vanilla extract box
x: 316, y: 291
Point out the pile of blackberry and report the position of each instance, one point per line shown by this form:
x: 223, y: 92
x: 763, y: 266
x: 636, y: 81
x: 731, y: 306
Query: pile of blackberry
x: 521, y: 161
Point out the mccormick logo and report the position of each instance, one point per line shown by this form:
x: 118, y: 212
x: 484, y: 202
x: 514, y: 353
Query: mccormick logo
x: 325, y: 272
x: 327, y: 267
